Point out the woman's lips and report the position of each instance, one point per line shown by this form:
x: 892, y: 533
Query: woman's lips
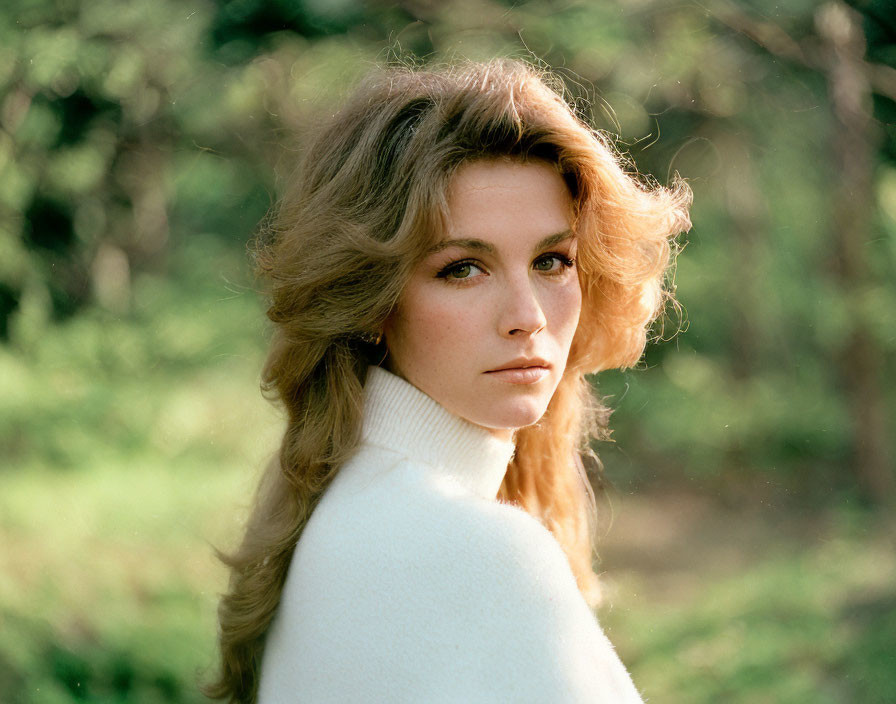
x: 520, y: 375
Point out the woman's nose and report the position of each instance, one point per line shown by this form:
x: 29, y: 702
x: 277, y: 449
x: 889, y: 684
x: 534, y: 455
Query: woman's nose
x: 522, y: 312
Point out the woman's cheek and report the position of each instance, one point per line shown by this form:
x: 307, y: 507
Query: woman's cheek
x: 575, y: 302
x: 453, y: 310
x: 566, y: 304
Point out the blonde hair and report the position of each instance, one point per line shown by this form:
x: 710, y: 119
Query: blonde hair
x: 368, y: 200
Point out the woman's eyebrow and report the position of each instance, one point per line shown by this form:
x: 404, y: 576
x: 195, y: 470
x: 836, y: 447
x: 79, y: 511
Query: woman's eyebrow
x: 480, y: 245
x: 483, y: 246
x: 551, y: 240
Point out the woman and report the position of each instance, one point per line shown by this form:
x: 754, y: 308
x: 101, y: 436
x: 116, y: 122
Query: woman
x: 457, y: 252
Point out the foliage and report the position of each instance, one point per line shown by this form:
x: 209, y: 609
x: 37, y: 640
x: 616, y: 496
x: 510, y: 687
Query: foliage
x: 140, y: 142
x: 131, y: 445
x: 127, y: 129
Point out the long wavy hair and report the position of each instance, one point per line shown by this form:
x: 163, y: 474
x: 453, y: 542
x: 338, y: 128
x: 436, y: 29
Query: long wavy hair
x: 367, y: 201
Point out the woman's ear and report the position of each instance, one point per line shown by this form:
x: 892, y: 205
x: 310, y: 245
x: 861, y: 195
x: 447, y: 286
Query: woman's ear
x: 382, y: 346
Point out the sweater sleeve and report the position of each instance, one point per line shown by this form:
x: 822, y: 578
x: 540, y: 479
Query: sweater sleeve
x: 450, y: 599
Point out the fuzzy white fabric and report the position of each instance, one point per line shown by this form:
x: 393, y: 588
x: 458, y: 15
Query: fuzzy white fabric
x: 412, y: 583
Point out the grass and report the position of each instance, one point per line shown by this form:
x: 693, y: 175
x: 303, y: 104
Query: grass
x: 110, y: 583
x: 131, y: 444
x: 757, y: 605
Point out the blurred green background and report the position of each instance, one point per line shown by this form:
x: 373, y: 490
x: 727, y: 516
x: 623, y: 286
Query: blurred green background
x: 748, y: 530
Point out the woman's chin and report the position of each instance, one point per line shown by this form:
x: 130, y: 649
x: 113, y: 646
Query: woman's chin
x: 504, y: 421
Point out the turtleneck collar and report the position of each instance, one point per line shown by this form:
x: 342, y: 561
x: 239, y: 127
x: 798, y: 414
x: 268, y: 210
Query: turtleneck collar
x: 400, y: 417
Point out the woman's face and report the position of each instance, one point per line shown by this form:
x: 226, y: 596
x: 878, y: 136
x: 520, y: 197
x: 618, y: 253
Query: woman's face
x: 485, y: 323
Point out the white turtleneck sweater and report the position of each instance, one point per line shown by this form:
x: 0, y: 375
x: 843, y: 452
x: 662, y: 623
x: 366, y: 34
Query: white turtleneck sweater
x: 412, y: 583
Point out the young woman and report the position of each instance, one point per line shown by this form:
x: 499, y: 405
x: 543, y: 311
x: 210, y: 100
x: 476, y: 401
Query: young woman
x: 458, y: 250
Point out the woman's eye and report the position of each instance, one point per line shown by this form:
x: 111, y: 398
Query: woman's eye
x: 459, y: 271
x: 552, y: 263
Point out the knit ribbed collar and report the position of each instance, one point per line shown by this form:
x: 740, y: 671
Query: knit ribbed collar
x: 400, y: 417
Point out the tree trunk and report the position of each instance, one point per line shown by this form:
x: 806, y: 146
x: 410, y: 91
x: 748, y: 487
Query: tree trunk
x: 853, y: 141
